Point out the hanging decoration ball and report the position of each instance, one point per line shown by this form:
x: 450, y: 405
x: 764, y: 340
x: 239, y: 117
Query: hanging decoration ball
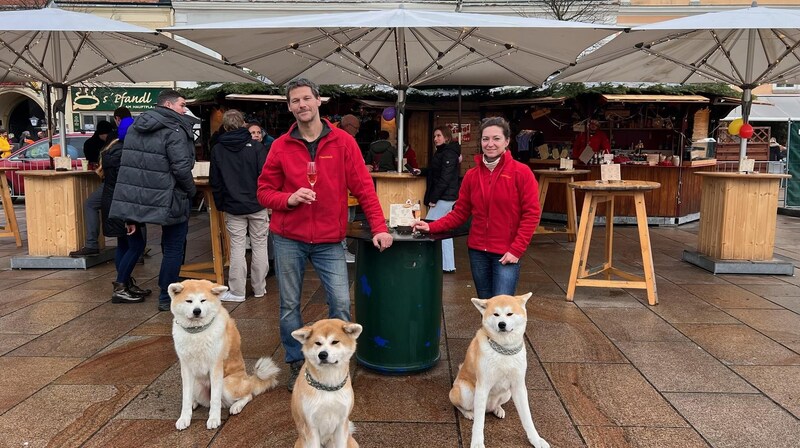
x: 746, y: 131
x: 735, y: 126
x: 389, y: 113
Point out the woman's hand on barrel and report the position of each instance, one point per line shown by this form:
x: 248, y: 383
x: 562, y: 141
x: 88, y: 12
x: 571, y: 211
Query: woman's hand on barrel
x: 421, y: 226
x: 509, y: 259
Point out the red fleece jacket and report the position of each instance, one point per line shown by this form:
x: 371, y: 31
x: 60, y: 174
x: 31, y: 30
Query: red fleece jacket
x: 504, y: 205
x: 340, y: 167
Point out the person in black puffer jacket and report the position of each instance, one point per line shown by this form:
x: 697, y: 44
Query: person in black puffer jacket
x: 155, y: 183
x: 236, y: 162
x: 130, y: 239
x: 442, y: 190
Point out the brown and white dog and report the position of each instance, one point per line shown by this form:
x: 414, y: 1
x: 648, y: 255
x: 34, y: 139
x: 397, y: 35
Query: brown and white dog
x: 209, y: 349
x: 494, y: 368
x: 323, y: 393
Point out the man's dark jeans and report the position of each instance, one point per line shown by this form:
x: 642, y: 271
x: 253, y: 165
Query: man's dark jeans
x: 173, y: 245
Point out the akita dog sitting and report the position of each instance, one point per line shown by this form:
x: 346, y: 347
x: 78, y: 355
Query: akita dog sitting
x: 323, y: 393
x: 209, y: 349
x: 494, y: 368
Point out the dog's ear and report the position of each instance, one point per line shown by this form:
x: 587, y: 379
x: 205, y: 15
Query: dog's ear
x: 480, y: 304
x: 524, y: 298
x: 175, y: 289
x: 302, y: 334
x: 354, y: 330
x: 218, y: 289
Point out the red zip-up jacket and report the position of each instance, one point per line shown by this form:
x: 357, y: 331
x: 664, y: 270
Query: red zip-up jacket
x: 340, y: 167
x: 504, y: 205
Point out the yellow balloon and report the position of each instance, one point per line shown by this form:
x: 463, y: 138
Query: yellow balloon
x: 735, y: 126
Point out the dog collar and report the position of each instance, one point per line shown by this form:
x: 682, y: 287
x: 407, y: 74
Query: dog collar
x: 505, y: 351
x: 195, y: 330
x: 319, y: 386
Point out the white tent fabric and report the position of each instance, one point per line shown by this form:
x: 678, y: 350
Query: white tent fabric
x: 709, y: 47
x: 777, y: 108
x: 61, y: 47
x: 744, y: 47
x: 400, y: 47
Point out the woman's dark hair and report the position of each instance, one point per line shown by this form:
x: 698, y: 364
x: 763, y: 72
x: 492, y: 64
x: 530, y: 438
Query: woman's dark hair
x: 445, y: 130
x: 496, y: 121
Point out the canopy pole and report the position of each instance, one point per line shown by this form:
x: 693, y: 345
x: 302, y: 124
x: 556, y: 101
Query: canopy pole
x: 401, y: 115
x: 747, y: 91
x: 61, y: 95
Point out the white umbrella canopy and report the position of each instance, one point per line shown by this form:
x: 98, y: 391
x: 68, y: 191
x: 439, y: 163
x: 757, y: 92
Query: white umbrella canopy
x: 743, y: 47
x: 62, y: 48
x: 400, y: 47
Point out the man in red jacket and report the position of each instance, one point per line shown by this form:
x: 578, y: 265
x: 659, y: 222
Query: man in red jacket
x: 310, y: 221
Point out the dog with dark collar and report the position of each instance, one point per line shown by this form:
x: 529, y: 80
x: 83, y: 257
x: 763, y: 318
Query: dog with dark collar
x: 494, y: 368
x: 322, y: 399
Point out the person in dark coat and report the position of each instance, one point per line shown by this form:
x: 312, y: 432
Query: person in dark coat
x: 442, y: 190
x: 155, y: 183
x: 130, y: 241
x: 102, y: 135
x: 236, y: 162
x: 382, y: 154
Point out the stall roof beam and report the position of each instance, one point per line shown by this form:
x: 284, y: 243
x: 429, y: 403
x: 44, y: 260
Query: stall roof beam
x: 655, y: 98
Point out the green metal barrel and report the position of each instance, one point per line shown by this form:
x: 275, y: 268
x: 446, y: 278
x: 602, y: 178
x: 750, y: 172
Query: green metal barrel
x: 398, y: 295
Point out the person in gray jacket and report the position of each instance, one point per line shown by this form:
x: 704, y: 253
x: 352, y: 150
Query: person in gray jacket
x: 155, y: 183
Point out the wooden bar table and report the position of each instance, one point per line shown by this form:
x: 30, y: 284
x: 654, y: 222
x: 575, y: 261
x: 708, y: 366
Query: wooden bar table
x: 565, y: 177
x: 597, y: 192
x: 738, y: 214
x: 10, y: 229
x: 54, y: 210
x: 220, y: 245
x: 396, y: 188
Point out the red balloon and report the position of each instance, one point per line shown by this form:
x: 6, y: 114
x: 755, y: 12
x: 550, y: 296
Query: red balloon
x: 746, y: 131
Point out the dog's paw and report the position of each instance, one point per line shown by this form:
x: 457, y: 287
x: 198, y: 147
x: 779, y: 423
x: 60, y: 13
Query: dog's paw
x: 183, y: 422
x: 539, y: 443
x: 499, y: 412
x: 468, y: 415
x: 213, y: 422
x: 477, y: 445
x: 195, y: 405
x: 237, y: 407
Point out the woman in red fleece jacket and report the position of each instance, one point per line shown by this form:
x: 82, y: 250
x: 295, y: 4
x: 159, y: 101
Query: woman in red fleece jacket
x: 502, y: 197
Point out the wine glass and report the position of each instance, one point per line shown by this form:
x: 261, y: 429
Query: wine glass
x: 311, y: 174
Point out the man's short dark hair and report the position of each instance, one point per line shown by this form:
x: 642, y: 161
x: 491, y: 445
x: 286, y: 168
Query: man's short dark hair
x: 301, y: 82
x: 383, y: 135
x: 168, y: 95
x: 122, y: 112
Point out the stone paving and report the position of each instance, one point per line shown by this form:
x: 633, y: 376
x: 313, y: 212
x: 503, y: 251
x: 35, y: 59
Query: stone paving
x: 716, y: 363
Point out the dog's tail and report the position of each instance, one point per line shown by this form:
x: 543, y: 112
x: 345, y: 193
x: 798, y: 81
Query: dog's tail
x: 266, y: 376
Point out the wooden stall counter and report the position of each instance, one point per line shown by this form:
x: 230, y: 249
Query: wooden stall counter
x: 738, y: 217
x: 676, y: 202
x: 396, y: 188
x: 54, y: 210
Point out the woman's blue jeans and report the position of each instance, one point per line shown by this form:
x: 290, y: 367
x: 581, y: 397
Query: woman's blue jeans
x: 492, y: 278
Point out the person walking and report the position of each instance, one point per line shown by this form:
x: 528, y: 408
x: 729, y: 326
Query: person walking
x: 155, y: 183
x: 236, y: 162
x: 309, y: 213
x: 502, y: 197
x: 442, y: 190
x: 130, y: 240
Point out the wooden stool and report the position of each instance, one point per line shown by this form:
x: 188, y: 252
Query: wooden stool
x: 220, y: 245
x: 566, y: 177
x: 10, y: 228
x: 597, y: 193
